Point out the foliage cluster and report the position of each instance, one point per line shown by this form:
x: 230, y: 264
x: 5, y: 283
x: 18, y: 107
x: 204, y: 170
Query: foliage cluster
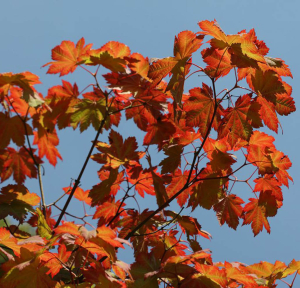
x: 201, y: 134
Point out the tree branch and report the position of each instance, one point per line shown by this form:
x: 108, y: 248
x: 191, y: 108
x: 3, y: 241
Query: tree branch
x: 77, y: 181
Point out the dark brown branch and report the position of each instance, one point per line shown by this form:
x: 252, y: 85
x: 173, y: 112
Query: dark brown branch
x: 77, y: 181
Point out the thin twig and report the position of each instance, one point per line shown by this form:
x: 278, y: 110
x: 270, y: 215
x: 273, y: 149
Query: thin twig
x: 292, y: 284
x: 42, y: 190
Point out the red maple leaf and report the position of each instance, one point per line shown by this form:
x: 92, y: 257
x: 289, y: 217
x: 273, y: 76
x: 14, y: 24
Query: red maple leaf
x: 12, y: 128
x: 229, y: 210
x: 19, y: 164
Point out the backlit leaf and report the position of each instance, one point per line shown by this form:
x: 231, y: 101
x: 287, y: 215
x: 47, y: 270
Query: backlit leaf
x: 66, y: 57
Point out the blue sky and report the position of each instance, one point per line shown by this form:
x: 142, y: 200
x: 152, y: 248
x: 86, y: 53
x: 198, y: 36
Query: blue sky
x: 30, y: 29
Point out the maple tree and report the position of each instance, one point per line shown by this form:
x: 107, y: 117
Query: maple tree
x: 199, y: 133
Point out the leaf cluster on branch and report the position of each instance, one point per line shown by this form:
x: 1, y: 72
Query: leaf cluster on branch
x: 207, y: 136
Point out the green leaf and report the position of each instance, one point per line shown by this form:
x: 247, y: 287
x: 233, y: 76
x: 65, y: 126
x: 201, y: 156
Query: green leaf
x: 43, y: 228
x: 88, y: 112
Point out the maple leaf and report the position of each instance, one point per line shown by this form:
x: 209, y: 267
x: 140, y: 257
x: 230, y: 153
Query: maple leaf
x: 234, y: 273
x: 221, y: 161
x: 139, y: 64
x: 68, y: 227
x: 157, y: 132
x: 62, y: 99
x: 108, y: 210
x: 173, y: 246
x: 200, y: 109
x: 66, y: 57
x: 189, y: 225
x: 43, y: 228
x: 88, y: 112
x: 7, y: 240
x: 109, y: 55
x: 79, y: 194
x: 207, y: 192
x: 107, y: 240
x: 109, y: 186
x: 213, y: 29
x: 213, y: 273
x: 19, y: 163
x: 236, y: 122
x: 116, y: 49
x: 161, y: 68
x: 126, y: 85
x: 244, y: 51
x: 260, y: 157
x: 267, y: 113
x: 186, y: 43
x: 261, y: 139
x: 34, y: 219
x: 176, y: 83
x: 16, y: 200
x: 105, y: 59
x: 285, y: 104
x: 211, y: 145
x: 121, y: 269
x: 144, y: 264
x: 262, y: 153
x: 23, y: 80
x: 96, y: 274
x: 198, y: 280
x: 142, y: 183
x: 46, y: 143
x: 266, y: 270
x: 12, y: 128
x: 18, y: 104
x: 28, y: 274
x: 229, y: 210
x: 55, y: 261
x: 267, y: 84
x: 268, y: 183
x: 277, y: 65
x: 173, y: 161
x: 178, y: 181
x: 159, y: 187
x: 291, y: 268
x: 117, y: 153
x: 257, y: 211
x: 218, y: 62
x: 281, y: 163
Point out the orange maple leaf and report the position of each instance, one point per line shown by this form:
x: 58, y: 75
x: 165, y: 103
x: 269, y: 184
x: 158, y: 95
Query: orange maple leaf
x: 46, y: 143
x: 118, y: 153
x: 79, y: 194
x: 66, y: 57
x: 186, y: 43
